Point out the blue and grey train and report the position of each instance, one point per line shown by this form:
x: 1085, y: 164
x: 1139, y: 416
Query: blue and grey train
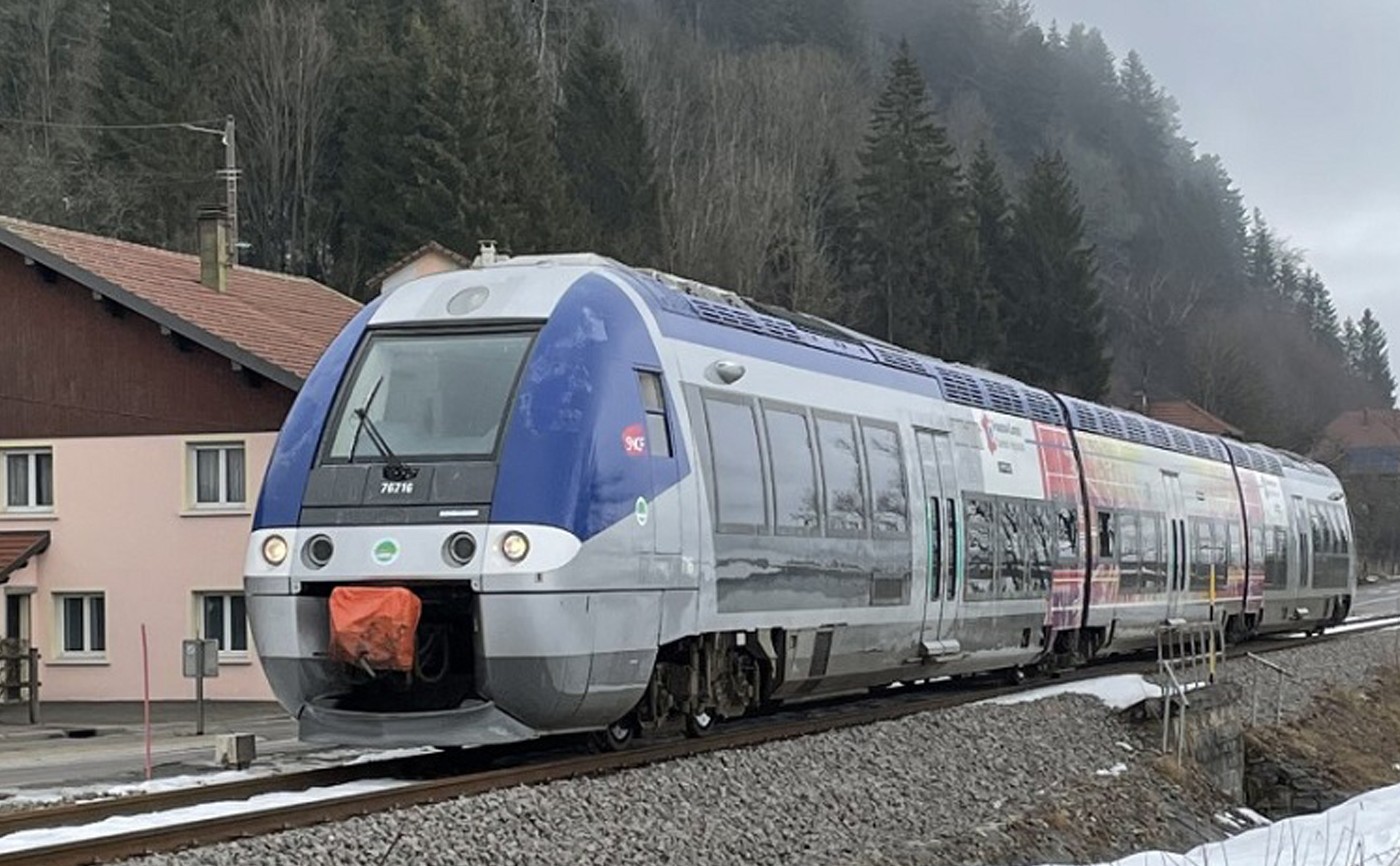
x: 597, y: 498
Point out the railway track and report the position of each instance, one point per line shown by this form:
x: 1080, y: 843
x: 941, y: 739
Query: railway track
x: 423, y: 781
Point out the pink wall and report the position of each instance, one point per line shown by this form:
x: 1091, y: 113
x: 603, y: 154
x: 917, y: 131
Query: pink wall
x: 122, y: 524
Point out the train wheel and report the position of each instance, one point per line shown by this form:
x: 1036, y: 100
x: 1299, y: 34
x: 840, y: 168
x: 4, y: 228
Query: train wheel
x: 617, y: 736
x: 700, y: 723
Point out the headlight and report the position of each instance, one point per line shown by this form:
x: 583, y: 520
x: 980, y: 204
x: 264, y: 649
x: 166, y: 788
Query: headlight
x: 460, y: 548
x: 274, y: 550
x: 319, y: 551
x: 514, y: 546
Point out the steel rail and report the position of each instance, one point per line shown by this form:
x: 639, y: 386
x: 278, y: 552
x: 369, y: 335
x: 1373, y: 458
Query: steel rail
x: 831, y: 714
x: 88, y: 811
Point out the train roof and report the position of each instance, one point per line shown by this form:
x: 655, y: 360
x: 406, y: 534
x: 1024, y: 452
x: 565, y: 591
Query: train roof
x: 959, y: 383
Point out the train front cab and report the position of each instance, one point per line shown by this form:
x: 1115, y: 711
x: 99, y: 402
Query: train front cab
x: 521, y: 407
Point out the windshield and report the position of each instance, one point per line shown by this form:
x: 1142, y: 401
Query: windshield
x: 429, y: 396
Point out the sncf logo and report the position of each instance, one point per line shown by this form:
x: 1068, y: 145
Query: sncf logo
x: 634, y: 440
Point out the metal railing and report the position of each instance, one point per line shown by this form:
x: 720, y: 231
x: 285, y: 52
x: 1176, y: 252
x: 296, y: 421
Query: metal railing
x: 1283, y: 673
x: 1189, y: 655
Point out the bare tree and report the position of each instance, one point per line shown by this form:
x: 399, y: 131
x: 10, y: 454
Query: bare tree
x: 1150, y: 312
x: 284, y: 90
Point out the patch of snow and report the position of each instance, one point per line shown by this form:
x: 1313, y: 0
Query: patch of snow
x: 1118, y: 692
x: 1392, y: 622
x: 1115, y: 771
x: 1250, y: 815
x: 1363, y: 831
x: 391, y: 754
x: 25, y: 840
x: 1226, y: 819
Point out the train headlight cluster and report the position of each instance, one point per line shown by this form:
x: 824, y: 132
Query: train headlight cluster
x: 274, y: 550
x: 515, y: 546
x: 318, y: 551
x: 459, y: 549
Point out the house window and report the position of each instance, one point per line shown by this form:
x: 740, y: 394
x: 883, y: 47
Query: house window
x: 218, y: 475
x: 29, y: 480
x: 82, y: 624
x: 223, y: 617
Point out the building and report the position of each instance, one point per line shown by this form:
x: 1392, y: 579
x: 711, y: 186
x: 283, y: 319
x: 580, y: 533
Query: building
x: 140, y: 394
x: 1362, y: 442
x: 1184, y: 413
x: 431, y: 258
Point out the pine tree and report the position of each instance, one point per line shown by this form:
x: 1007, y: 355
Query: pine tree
x: 1054, y: 329
x: 1261, y: 255
x: 1373, y: 362
x: 604, y: 149
x: 518, y: 192
x: 1351, y: 345
x: 1319, y: 312
x: 915, y: 240
x: 160, y: 63
x: 991, y: 215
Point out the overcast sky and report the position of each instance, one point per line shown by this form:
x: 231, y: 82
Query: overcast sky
x: 1301, y: 100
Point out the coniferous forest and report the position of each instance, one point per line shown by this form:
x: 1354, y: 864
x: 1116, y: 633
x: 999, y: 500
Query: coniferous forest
x: 944, y: 174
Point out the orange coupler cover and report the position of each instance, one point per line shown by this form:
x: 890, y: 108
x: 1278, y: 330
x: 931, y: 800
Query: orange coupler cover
x: 374, y: 625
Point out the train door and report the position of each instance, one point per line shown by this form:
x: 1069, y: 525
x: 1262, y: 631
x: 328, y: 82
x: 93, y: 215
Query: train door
x: 1178, y: 556
x: 940, y: 541
x: 1301, y: 575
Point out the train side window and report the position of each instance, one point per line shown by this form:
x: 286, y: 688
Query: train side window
x: 952, y: 549
x: 1129, y: 554
x: 738, y: 467
x: 845, y: 492
x: 1041, y: 547
x: 934, y: 522
x: 1234, y: 548
x: 1276, y: 558
x: 979, y: 522
x: 1343, y: 528
x: 1067, y: 537
x: 1153, y: 562
x: 887, y: 487
x: 790, y: 454
x: 654, y: 402
x: 1202, y: 545
x: 1106, y: 533
x: 1011, y: 556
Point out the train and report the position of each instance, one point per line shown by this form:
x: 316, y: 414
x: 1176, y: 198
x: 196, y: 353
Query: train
x: 560, y: 494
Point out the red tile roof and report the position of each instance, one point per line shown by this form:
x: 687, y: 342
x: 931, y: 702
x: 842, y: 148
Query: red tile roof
x: 17, y: 548
x: 276, y: 324
x: 1184, y: 413
x: 1365, y: 428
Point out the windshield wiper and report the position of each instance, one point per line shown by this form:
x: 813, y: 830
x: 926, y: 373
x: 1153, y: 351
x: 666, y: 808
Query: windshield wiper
x: 394, y: 469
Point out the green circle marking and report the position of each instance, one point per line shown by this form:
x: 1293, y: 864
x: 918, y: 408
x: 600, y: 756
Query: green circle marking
x: 386, y: 551
x: 641, y: 511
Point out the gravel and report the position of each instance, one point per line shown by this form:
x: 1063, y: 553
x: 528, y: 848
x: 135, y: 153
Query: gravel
x: 959, y: 786
x: 1310, y: 668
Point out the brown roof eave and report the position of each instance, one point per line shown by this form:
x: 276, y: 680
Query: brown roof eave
x: 157, y: 314
x: 41, y: 544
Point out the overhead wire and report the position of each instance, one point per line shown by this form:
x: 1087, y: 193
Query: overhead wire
x: 55, y: 124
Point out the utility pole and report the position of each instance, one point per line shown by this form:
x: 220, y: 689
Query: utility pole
x: 230, y: 174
